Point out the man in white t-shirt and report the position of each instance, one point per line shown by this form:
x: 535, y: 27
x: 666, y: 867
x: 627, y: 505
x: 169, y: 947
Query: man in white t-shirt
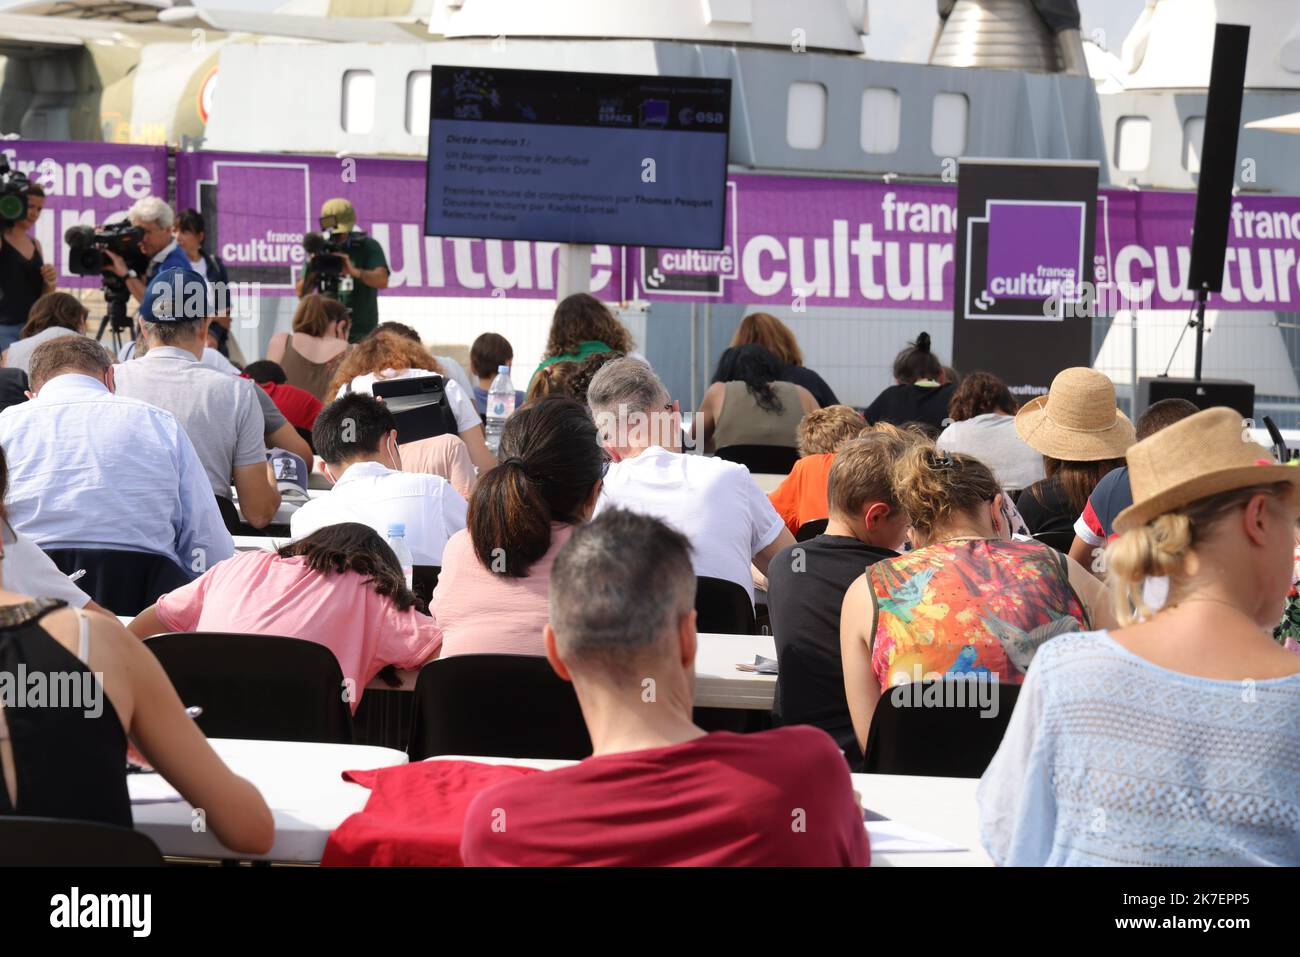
x: 356, y: 437
x: 714, y: 503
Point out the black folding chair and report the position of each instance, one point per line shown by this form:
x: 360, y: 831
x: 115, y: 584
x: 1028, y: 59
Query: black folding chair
x: 773, y: 459
x: 259, y: 686
x: 126, y: 583
x: 811, y: 529
x: 723, y: 607
x: 908, y: 735
x: 424, y: 579
x: 453, y: 713
x: 236, y: 525
x: 54, y: 842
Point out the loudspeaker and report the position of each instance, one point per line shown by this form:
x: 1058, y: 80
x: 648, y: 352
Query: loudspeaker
x: 1218, y: 157
x: 1204, y: 394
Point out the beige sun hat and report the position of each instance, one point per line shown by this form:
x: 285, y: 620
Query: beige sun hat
x: 1202, y: 455
x: 1077, y: 420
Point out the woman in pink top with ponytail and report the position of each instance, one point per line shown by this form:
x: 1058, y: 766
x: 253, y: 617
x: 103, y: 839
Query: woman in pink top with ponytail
x: 492, y: 593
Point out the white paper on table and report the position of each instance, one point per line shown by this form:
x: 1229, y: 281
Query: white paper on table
x: 151, y: 789
x: 895, y: 837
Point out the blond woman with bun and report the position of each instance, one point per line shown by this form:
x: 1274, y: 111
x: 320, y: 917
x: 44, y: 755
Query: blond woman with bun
x: 968, y: 599
x: 1175, y: 739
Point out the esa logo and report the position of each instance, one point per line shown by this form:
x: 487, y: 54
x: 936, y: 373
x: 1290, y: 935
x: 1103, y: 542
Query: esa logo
x: 689, y: 116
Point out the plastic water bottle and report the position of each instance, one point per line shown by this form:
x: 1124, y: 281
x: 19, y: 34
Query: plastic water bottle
x: 397, y: 542
x: 500, y: 406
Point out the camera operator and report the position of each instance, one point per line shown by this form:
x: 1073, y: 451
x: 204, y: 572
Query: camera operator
x: 158, y: 242
x: 24, y: 274
x: 364, y: 267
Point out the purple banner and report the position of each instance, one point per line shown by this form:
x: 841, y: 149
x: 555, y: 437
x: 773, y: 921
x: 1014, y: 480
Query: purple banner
x: 84, y: 184
x: 260, y: 206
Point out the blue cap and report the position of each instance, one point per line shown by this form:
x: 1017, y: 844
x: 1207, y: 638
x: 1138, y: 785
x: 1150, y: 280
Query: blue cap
x: 397, y: 528
x: 175, y: 295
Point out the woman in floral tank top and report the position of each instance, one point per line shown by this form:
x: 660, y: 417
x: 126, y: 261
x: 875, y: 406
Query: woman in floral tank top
x: 968, y: 600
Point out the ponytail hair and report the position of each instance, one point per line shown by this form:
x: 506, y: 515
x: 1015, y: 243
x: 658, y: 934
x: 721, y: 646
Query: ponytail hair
x: 550, y: 462
x: 931, y: 486
x: 1160, y: 548
x: 917, y: 362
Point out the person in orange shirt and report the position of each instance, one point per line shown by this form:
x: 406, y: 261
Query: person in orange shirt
x: 801, y: 497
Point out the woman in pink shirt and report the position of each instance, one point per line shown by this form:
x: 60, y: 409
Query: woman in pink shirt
x: 492, y: 593
x: 340, y: 587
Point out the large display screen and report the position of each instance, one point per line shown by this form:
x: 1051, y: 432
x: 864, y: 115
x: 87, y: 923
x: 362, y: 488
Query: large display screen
x: 577, y: 157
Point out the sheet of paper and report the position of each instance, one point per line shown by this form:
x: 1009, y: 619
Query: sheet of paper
x: 151, y: 789
x: 895, y: 837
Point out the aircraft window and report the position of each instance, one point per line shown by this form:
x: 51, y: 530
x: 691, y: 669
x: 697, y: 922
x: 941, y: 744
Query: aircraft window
x: 805, y: 116
x: 878, y: 128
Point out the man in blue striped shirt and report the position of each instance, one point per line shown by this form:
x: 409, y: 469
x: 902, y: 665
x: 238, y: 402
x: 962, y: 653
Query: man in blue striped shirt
x: 90, y: 470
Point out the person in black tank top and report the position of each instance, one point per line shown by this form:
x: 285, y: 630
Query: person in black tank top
x: 21, y: 284
x: 66, y: 764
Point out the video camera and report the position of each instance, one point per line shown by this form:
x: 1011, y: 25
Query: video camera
x: 87, y: 246
x: 87, y: 256
x: 13, y: 194
x: 324, y: 249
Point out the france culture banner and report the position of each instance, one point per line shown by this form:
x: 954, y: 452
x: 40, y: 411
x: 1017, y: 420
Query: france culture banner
x: 84, y: 183
x: 821, y: 242
x: 257, y: 209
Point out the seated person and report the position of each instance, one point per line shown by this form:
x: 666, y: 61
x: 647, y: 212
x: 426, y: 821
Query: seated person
x: 1170, y: 741
x: 444, y: 455
x: 68, y: 760
x: 983, y: 425
x: 657, y: 790
x: 356, y: 438
x: 220, y: 413
x: 298, y: 406
x: 95, y: 472
x: 54, y: 314
x: 801, y: 496
x: 920, y: 393
x: 489, y: 352
x: 491, y: 595
x: 386, y: 355
x: 715, y: 503
x: 340, y: 587
x: 1096, y: 526
x: 1081, y: 436
x: 748, y: 404
x: 967, y: 599
x: 806, y: 585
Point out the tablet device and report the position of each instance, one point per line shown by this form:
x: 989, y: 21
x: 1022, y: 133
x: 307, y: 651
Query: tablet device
x: 419, y: 405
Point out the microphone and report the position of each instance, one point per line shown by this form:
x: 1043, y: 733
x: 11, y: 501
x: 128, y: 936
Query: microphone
x: 78, y: 237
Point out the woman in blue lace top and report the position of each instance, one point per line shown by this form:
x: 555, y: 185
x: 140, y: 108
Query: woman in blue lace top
x: 1174, y: 740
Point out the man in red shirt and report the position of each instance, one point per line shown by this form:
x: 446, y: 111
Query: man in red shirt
x: 658, y: 790
x: 297, y: 405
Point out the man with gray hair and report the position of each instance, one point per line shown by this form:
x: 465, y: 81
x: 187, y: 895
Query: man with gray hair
x: 658, y: 790
x: 156, y: 219
x: 107, y: 484
x: 219, y: 412
x: 714, y: 503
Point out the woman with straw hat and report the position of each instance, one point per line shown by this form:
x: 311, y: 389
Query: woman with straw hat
x: 1082, y: 436
x: 1174, y: 740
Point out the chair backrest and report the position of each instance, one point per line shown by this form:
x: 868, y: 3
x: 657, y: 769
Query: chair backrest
x: 939, y: 727
x: 258, y: 686
x: 1061, y: 541
x: 723, y: 607
x: 506, y: 706
x: 424, y: 579
x: 811, y: 529
x: 53, y: 842
x: 124, y: 582
x: 774, y: 459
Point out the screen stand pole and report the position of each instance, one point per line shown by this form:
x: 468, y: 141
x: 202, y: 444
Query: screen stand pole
x: 1201, y: 296
x: 574, y: 270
